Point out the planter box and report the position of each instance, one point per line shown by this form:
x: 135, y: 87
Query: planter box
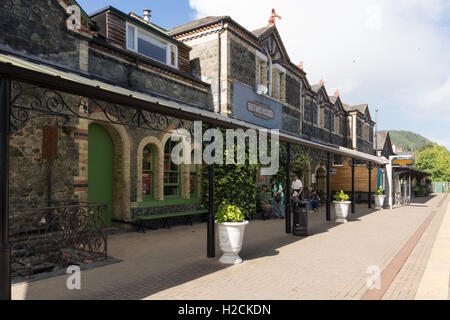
x: 379, y: 202
x: 341, y: 211
x: 231, y: 235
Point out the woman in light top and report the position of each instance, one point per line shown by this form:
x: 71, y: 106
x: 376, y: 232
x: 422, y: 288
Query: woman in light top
x: 278, y: 198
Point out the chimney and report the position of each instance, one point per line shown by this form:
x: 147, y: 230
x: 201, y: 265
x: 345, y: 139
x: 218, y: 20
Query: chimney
x: 147, y: 14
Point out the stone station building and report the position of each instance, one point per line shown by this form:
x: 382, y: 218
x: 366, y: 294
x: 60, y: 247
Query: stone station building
x: 254, y: 68
x: 89, y: 107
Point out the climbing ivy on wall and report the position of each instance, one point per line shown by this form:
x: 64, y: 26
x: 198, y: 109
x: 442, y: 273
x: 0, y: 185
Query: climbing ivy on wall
x: 234, y: 184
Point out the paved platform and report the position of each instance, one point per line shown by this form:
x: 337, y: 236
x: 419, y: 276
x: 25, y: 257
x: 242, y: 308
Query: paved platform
x: 330, y: 264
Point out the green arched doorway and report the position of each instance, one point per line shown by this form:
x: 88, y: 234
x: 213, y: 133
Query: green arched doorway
x: 101, y: 167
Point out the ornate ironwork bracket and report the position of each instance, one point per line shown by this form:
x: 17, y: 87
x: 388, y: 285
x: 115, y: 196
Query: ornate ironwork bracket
x: 30, y: 103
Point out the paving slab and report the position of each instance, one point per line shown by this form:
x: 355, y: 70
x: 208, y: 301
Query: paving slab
x: 171, y: 264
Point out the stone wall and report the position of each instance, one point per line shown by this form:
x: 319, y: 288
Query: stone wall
x: 309, y: 111
x: 29, y: 172
x: 292, y: 92
x: 365, y: 146
x: 38, y: 28
x: 242, y: 62
x: 291, y: 120
x: 127, y: 75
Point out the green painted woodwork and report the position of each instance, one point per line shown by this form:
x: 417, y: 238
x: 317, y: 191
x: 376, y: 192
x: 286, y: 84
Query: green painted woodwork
x: 171, y: 215
x: 148, y: 202
x: 100, y: 167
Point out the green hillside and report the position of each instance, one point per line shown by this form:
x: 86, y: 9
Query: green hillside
x: 409, y: 141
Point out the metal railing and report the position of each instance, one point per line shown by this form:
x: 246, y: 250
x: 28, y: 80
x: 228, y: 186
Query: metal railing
x: 45, y: 239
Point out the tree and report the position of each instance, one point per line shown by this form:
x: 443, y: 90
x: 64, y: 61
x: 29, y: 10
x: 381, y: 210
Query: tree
x: 436, y: 160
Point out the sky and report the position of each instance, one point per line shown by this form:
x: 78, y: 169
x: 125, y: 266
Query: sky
x: 392, y: 55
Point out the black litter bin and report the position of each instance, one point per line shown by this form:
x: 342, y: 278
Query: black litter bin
x: 301, y: 218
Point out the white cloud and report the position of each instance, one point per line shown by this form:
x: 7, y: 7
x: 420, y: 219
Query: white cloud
x: 391, y: 54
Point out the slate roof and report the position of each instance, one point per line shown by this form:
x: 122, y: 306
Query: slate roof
x: 316, y: 87
x: 261, y: 31
x: 333, y: 99
x: 192, y: 25
x: 381, y: 139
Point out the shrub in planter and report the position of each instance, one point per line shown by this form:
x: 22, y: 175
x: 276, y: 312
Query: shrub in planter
x: 231, y: 224
x: 379, y: 198
x: 341, y: 205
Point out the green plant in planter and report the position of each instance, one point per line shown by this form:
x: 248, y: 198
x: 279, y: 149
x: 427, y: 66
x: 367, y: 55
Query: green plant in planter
x: 229, y: 213
x: 341, y: 196
x: 379, y: 192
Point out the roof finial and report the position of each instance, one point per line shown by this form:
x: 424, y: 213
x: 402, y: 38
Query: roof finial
x: 272, y: 18
x: 336, y: 93
x: 300, y: 65
x: 321, y: 82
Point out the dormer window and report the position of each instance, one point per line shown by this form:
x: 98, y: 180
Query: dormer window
x: 146, y: 44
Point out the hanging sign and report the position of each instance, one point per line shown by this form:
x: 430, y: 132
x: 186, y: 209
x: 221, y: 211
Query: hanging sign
x: 403, y: 162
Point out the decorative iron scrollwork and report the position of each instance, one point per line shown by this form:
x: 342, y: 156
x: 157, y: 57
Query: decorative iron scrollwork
x: 32, y: 102
x: 45, y: 239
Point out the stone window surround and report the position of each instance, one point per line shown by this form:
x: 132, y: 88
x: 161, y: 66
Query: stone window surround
x: 158, y: 147
x: 279, y: 86
x: 261, y: 69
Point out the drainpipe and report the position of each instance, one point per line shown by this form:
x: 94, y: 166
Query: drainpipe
x: 219, y: 67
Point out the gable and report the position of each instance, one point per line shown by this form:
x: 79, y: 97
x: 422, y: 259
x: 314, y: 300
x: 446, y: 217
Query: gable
x: 271, y: 41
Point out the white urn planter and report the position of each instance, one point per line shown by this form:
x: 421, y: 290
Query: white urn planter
x: 231, y: 235
x: 379, y: 202
x: 341, y: 210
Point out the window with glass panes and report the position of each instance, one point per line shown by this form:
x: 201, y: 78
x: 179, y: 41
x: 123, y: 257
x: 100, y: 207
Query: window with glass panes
x: 148, y: 160
x: 171, y: 172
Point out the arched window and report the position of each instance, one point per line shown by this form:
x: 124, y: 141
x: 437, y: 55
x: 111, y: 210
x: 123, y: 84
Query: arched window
x: 172, y: 181
x: 148, y: 176
x: 193, y: 178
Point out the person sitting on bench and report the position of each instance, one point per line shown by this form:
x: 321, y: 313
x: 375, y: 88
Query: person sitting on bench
x: 263, y: 205
x: 313, y: 199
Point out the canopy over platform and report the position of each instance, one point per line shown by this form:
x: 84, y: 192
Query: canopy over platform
x: 59, y: 78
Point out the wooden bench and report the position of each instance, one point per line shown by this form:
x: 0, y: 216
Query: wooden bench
x: 361, y: 196
x: 165, y: 217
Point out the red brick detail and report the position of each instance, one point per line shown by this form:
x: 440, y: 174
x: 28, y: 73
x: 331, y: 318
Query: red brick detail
x: 391, y: 271
x: 80, y: 189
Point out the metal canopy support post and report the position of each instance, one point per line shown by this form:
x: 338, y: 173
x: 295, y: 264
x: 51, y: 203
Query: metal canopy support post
x: 353, y: 185
x: 288, y: 188
x: 328, y: 209
x: 409, y: 186
x: 211, y: 245
x: 5, y: 250
x: 369, y: 194
x: 390, y: 185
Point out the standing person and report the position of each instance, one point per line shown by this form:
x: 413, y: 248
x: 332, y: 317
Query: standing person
x: 297, y: 186
x: 278, y: 196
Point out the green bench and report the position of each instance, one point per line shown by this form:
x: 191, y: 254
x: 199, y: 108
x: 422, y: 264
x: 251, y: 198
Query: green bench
x: 165, y: 217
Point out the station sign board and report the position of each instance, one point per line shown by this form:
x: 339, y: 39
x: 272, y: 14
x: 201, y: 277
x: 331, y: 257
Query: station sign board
x: 403, y: 162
